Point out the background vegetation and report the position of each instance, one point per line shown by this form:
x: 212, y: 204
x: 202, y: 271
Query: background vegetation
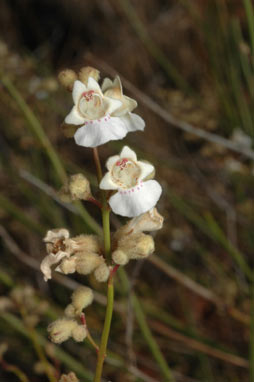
x: 190, y: 65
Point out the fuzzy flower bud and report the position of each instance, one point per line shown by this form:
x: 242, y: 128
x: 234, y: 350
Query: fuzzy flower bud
x: 76, y: 188
x: 87, y: 243
x: 135, y: 246
x: 61, y: 329
x: 88, y: 71
x: 119, y: 257
x: 81, y: 298
x: 79, y: 333
x: 67, y: 78
x: 102, y: 273
x: 150, y: 221
x: 87, y: 262
x: 70, y: 311
x: 67, y: 266
x: 79, y: 187
x: 71, y: 377
x: 143, y: 248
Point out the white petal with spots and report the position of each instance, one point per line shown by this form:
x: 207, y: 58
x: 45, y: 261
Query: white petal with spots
x: 97, y: 132
x: 136, y: 201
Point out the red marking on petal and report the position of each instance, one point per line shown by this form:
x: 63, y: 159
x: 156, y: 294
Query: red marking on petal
x: 88, y: 95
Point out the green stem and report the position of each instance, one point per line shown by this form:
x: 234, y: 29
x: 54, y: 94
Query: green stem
x: 106, y: 330
x: 106, y: 233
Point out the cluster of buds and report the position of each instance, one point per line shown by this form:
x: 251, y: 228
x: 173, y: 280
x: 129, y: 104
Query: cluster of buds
x: 82, y: 254
x: 73, y: 323
x: 131, y: 242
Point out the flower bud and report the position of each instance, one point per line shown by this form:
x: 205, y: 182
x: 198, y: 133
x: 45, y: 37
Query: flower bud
x: 87, y: 262
x: 88, y: 71
x: 102, y: 273
x: 79, y: 333
x: 144, y: 247
x: 76, y: 188
x: 71, y: 377
x: 70, y: 311
x: 67, y: 78
x: 61, y: 329
x: 67, y: 266
x: 81, y: 298
x: 136, y: 246
x: 79, y: 187
x: 119, y: 257
x: 149, y: 221
x: 87, y: 243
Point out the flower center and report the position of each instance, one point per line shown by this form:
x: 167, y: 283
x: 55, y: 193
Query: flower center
x: 91, y: 105
x: 125, y: 173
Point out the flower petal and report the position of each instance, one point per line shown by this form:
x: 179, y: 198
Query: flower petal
x: 113, y: 104
x: 111, y: 161
x: 136, y: 201
x: 78, y: 89
x: 107, y: 84
x: 93, y: 85
x: 128, y: 153
x: 107, y: 183
x: 146, y: 169
x: 74, y: 118
x: 55, y: 234
x: 133, y: 122
x: 50, y: 260
x: 97, y: 132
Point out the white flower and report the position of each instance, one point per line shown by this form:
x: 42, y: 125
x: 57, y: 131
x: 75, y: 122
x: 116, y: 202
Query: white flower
x: 114, y: 90
x: 104, y: 116
x: 93, y: 111
x: 126, y: 174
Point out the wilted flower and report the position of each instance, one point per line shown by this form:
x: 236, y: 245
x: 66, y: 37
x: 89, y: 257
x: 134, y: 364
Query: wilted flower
x: 147, y: 222
x: 59, y: 246
x: 128, y: 175
x: 82, y: 254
